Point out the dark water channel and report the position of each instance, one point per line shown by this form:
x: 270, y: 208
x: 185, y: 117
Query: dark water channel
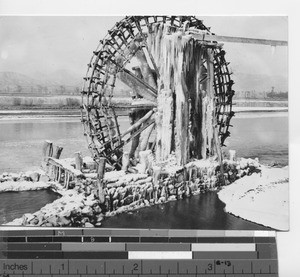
x: 204, y: 211
x: 15, y: 204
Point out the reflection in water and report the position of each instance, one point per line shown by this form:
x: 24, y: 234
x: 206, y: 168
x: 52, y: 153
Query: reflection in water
x: 204, y: 211
x: 15, y: 204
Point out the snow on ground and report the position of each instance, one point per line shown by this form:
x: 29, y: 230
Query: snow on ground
x: 261, y: 197
x: 22, y: 186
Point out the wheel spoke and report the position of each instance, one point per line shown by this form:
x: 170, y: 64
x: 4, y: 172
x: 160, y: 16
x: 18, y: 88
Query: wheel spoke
x: 139, y: 86
x: 147, y: 52
x: 137, y: 124
x: 125, y: 41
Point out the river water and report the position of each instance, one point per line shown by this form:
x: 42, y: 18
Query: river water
x: 204, y: 211
x: 262, y: 135
x: 30, y: 201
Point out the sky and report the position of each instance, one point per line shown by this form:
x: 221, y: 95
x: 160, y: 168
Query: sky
x: 41, y: 45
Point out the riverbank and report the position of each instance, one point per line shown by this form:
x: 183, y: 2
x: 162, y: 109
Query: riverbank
x: 22, y: 113
x: 261, y: 197
x: 79, y: 206
x: 57, y: 213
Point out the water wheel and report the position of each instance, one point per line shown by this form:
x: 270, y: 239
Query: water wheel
x: 126, y: 56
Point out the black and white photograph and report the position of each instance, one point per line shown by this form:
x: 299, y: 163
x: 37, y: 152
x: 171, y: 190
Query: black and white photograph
x: 164, y: 122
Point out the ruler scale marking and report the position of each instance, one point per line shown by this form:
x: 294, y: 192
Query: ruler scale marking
x: 196, y: 253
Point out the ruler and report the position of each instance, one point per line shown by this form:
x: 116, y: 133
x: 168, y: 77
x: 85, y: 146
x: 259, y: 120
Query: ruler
x: 144, y: 252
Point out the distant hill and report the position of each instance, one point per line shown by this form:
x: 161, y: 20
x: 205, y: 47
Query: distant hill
x: 60, y: 77
x: 63, y: 82
x: 58, y: 83
x: 15, y: 79
x: 13, y: 82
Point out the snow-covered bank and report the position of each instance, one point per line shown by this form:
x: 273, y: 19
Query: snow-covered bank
x: 251, y: 191
x: 72, y: 209
x: 23, y: 186
x: 261, y: 197
x: 30, y: 180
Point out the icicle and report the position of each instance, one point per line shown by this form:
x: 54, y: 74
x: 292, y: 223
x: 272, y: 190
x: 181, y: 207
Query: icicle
x: 180, y: 61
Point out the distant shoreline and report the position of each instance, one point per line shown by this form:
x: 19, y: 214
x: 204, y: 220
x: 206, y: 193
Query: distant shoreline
x: 75, y: 113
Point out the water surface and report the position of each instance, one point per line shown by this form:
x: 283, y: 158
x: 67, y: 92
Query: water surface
x: 15, y: 204
x: 204, y: 211
x: 262, y: 135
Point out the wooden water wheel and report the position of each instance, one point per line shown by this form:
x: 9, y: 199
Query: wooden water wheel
x: 129, y: 53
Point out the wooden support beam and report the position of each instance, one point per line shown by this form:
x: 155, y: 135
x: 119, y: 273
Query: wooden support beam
x: 200, y: 35
x: 271, y: 42
x: 148, y: 53
x: 140, y: 86
x: 59, y: 163
x: 146, y: 71
x: 141, y: 129
x: 138, y: 123
x: 128, y: 103
x: 100, y: 177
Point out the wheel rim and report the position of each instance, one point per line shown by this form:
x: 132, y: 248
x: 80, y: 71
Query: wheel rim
x: 114, y: 52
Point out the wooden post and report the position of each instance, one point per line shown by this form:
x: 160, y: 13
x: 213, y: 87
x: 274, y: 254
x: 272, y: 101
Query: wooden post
x: 165, y: 122
x: 156, y: 174
x: 78, y: 161
x: 125, y: 161
x: 100, y: 176
x: 138, y: 123
x: 59, y: 174
x: 65, y: 178
x: 47, y: 149
x: 145, y: 136
x: 68, y: 179
x: 56, y: 173
x: 197, y: 86
x: 144, y: 161
x: 146, y: 71
x: 57, y: 152
x: 182, y: 122
x: 232, y: 155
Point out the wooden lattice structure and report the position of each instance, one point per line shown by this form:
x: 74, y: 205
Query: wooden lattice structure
x: 181, y: 90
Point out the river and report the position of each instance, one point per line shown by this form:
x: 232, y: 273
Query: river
x: 30, y: 201
x: 262, y: 135
x: 204, y: 211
